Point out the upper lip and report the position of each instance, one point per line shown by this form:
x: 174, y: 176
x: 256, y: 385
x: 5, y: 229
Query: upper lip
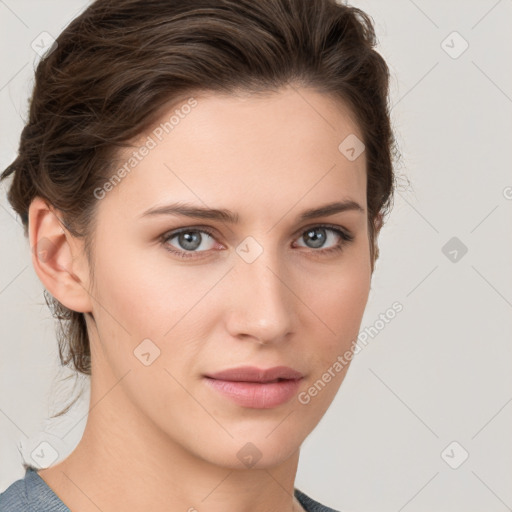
x: 253, y: 374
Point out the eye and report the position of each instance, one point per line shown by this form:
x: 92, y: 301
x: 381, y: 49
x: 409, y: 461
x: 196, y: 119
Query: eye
x: 194, y: 240
x: 189, y: 240
x: 318, y: 236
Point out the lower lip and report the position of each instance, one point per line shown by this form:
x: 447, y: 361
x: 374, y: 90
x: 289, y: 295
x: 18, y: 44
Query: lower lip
x: 256, y: 395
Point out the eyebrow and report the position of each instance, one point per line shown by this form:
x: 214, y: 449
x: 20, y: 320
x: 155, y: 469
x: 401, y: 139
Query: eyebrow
x: 224, y: 215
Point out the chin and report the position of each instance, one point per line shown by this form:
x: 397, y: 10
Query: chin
x: 249, y: 452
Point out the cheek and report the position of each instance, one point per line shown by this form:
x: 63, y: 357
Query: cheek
x: 143, y: 295
x: 339, y: 302
x: 340, y: 306
x: 162, y: 301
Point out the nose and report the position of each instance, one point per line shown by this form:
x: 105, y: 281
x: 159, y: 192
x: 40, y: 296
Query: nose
x: 262, y: 301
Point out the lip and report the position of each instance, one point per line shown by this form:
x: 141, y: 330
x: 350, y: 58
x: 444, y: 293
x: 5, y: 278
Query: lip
x: 256, y: 388
x: 253, y: 374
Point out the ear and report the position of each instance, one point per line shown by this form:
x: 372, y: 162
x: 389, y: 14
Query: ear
x: 377, y: 222
x: 379, y: 219
x: 58, y: 258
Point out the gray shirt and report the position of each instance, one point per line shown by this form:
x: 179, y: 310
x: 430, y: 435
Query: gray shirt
x: 32, y: 494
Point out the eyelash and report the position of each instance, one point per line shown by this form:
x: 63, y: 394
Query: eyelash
x: 346, y: 238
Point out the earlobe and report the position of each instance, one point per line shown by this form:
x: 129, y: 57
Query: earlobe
x: 379, y: 219
x: 56, y: 258
x: 377, y: 222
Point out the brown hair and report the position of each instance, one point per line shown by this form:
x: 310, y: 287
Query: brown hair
x: 118, y: 63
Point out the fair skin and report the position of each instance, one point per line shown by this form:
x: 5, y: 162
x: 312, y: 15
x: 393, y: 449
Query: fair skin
x: 157, y: 438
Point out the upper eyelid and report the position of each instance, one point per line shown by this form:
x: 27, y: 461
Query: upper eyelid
x: 327, y: 226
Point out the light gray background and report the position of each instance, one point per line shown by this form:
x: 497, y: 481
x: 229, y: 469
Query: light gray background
x: 441, y: 370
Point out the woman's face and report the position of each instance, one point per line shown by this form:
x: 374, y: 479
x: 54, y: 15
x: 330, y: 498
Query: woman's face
x: 272, y: 289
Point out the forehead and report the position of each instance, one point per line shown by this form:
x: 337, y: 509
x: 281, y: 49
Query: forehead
x: 238, y: 150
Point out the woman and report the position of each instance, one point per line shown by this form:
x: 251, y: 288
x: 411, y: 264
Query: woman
x: 203, y: 184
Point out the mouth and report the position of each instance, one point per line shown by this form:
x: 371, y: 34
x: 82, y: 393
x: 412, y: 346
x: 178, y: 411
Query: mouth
x: 256, y: 388
x: 253, y: 374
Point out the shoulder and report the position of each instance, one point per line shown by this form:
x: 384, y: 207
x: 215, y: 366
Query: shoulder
x: 15, y: 497
x: 310, y: 505
x: 30, y: 494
